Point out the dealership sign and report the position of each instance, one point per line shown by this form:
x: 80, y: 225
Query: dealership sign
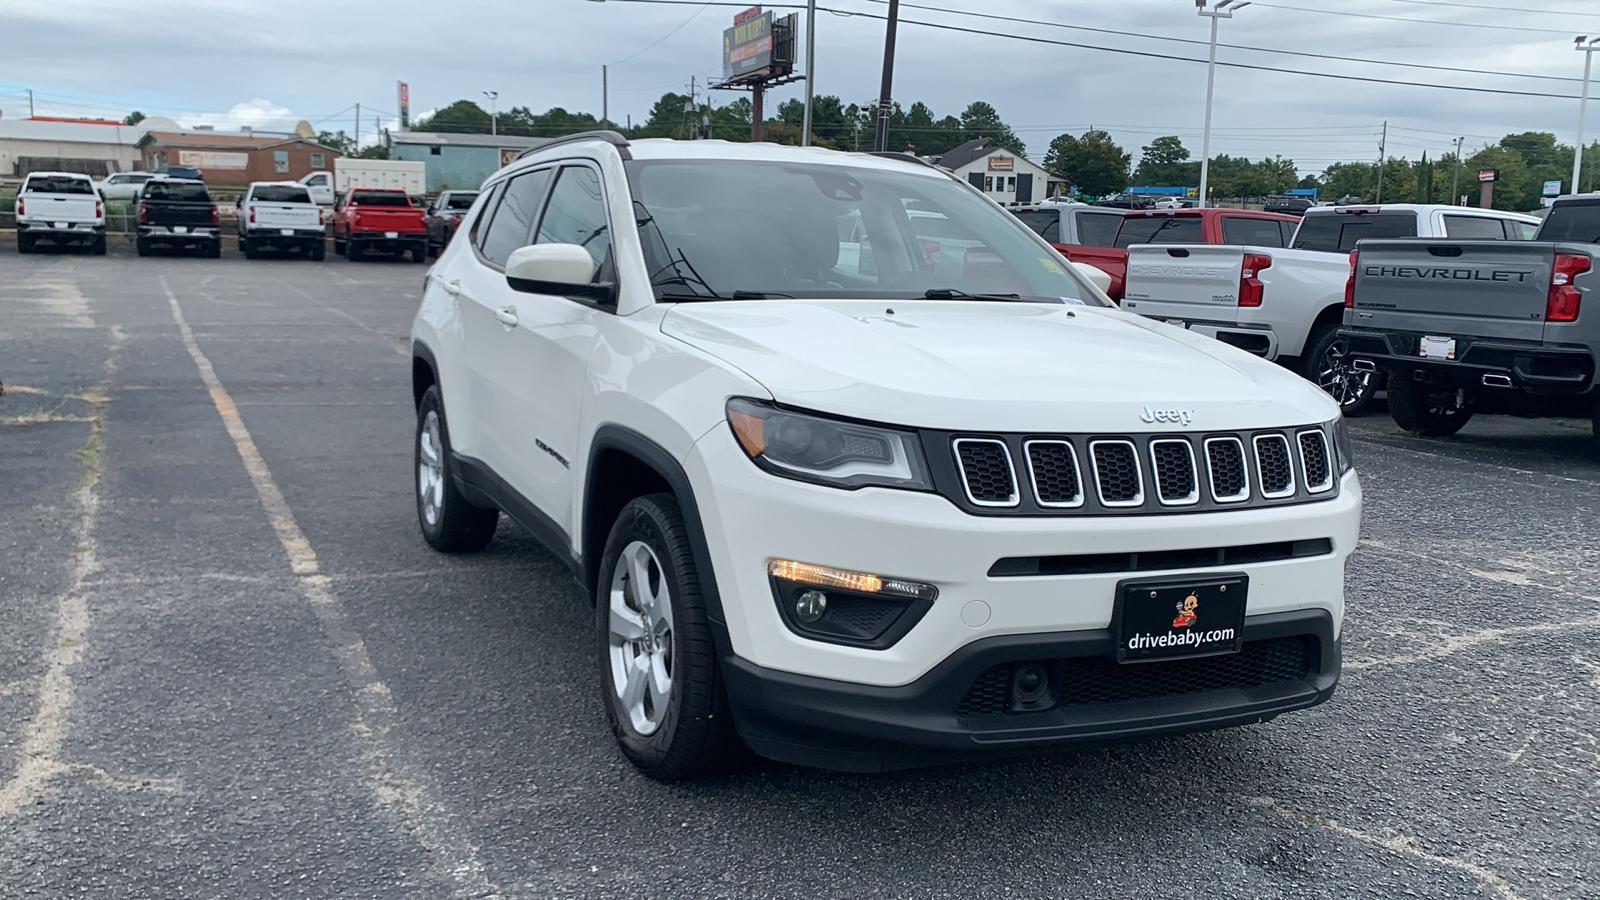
x: 1002, y: 164
x: 1488, y: 175
x: 211, y: 159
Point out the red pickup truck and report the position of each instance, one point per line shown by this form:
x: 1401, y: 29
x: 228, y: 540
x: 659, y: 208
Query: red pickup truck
x: 379, y: 219
x: 1181, y: 226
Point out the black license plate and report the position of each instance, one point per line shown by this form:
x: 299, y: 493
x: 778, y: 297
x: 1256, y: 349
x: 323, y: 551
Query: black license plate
x: 1203, y: 616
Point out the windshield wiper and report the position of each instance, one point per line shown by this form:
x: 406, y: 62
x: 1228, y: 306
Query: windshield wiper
x: 953, y: 294
x: 760, y: 295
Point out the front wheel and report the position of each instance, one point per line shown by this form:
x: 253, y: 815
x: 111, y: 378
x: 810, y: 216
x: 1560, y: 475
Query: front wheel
x: 1328, y: 365
x: 1426, y: 409
x: 449, y: 523
x: 659, y: 677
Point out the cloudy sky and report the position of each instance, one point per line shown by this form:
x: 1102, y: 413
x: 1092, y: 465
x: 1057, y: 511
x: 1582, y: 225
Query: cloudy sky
x: 267, y: 65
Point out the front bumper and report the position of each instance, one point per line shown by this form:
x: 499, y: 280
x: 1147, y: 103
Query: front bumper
x: 1529, y: 366
x: 960, y: 711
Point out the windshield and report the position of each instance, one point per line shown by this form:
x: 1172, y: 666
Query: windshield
x: 726, y: 229
x: 282, y: 193
x: 1577, y: 222
x: 1338, y: 232
x: 188, y: 191
x: 58, y: 184
x: 380, y: 198
x: 460, y: 201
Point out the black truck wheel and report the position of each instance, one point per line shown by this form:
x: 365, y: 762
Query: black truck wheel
x: 141, y: 246
x: 24, y: 242
x: 98, y: 245
x: 318, y: 250
x: 1327, y: 363
x: 1597, y: 421
x: 1429, y: 410
x: 248, y: 248
x: 215, y: 249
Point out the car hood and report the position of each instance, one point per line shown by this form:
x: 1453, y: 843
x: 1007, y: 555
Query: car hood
x: 999, y: 366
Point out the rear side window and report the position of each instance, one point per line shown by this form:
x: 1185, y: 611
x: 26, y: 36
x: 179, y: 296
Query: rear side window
x: 1052, y: 232
x: 184, y: 191
x: 1096, y: 229
x: 513, y: 217
x: 460, y: 201
x: 1474, y: 228
x: 1576, y: 222
x: 1160, y: 230
x: 1287, y: 229
x: 1039, y: 220
x: 282, y: 193
x: 1521, y: 231
x: 380, y: 198
x: 1338, y: 232
x: 58, y: 184
x: 577, y: 215
x: 1242, y: 230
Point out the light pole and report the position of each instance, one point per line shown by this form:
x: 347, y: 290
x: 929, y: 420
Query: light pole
x: 811, y: 68
x: 880, y: 141
x: 1588, y: 57
x: 1223, y: 10
x: 494, y: 116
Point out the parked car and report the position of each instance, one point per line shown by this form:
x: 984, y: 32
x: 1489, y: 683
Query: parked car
x: 1482, y: 326
x: 368, y: 220
x: 1176, y: 203
x: 1288, y: 206
x: 177, y: 214
x: 1071, y: 223
x: 1127, y: 201
x: 175, y: 171
x: 279, y: 215
x: 61, y: 209
x: 122, y: 185
x: 1166, y: 226
x: 444, y: 216
x: 867, y: 520
x: 1287, y: 304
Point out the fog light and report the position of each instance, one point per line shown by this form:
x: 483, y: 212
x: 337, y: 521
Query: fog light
x: 810, y: 606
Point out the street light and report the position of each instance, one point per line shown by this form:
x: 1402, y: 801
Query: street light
x: 494, y: 118
x: 1223, y: 10
x: 1588, y: 58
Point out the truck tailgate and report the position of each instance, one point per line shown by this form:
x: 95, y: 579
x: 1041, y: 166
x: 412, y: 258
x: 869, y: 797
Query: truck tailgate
x: 285, y: 215
x: 1194, y: 282
x: 380, y: 218
x: 1445, y: 288
x: 60, y: 207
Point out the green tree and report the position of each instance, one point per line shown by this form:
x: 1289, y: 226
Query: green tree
x: 1349, y: 179
x: 133, y: 118
x: 980, y: 120
x: 460, y: 117
x: 1093, y: 163
x: 338, y: 140
x: 1511, y: 189
x: 1164, y: 163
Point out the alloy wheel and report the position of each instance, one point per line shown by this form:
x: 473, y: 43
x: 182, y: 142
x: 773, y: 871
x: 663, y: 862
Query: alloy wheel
x: 430, y: 469
x: 1344, y: 383
x: 641, y: 637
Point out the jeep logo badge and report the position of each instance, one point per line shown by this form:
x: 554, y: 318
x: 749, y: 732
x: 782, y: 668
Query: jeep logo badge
x: 1152, y: 416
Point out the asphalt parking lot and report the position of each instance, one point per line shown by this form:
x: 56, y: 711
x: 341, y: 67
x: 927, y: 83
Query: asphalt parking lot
x: 229, y: 666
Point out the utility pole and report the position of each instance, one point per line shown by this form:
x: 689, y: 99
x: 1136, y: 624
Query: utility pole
x: 605, y: 97
x: 1221, y: 11
x: 1383, y: 142
x: 1455, y: 170
x: 30, y: 103
x: 811, y: 68
x: 881, y: 142
x: 1588, y: 57
x: 494, y: 115
x: 358, y: 128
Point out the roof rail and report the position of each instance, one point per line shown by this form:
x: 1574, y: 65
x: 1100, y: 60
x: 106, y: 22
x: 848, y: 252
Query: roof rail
x: 610, y: 137
x: 908, y: 157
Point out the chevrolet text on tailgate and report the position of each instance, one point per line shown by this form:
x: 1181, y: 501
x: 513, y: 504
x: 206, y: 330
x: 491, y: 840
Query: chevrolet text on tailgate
x: 1478, y: 326
x: 1287, y: 304
x: 868, y: 516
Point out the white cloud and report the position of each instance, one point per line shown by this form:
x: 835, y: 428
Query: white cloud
x: 258, y: 114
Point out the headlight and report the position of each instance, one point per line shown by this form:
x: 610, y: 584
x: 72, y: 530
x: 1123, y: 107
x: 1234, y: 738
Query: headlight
x: 841, y: 454
x: 1341, y: 444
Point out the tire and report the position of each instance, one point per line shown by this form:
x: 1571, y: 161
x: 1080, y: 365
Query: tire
x: 1428, y: 410
x: 419, y: 254
x: 319, y: 251
x: 686, y: 731
x: 24, y: 243
x: 248, y: 248
x: 97, y: 247
x: 340, y: 247
x: 353, y: 251
x: 449, y: 523
x: 1596, y: 425
x: 141, y: 246
x: 215, y: 249
x: 1327, y: 365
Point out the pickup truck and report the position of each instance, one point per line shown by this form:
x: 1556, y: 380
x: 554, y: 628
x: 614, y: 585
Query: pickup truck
x: 349, y: 174
x: 177, y: 213
x: 1482, y: 326
x: 1287, y: 304
x: 379, y: 219
x: 1179, y: 226
x: 60, y: 208
x: 444, y: 217
x: 281, y: 216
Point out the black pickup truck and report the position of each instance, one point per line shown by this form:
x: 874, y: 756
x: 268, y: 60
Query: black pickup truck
x: 177, y: 213
x: 1464, y: 327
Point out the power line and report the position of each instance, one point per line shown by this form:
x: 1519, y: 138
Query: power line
x: 674, y: 31
x: 1338, y: 12
x: 1515, y: 9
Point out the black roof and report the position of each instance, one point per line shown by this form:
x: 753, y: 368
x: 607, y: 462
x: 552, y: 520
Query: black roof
x: 971, y: 150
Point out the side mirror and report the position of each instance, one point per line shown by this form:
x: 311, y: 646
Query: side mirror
x: 1097, y: 277
x: 565, y: 270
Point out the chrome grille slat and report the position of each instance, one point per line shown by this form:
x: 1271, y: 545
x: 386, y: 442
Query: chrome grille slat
x: 1174, y: 472
x: 1054, y: 473
x: 1118, y: 476
x: 1315, y: 461
x: 1274, y: 466
x: 1225, y: 468
x: 987, y: 475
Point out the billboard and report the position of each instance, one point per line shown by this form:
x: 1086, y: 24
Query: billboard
x: 1488, y: 175
x: 405, y: 105
x: 747, y: 46
x: 1552, y: 189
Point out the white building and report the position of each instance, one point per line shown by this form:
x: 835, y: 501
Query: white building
x: 1003, y: 175
x: 90, y: 147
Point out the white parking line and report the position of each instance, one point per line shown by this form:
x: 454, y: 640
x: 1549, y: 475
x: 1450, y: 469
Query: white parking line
x: 412, y: 795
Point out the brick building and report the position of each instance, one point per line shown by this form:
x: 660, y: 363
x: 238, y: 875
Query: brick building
x: 234, y: 160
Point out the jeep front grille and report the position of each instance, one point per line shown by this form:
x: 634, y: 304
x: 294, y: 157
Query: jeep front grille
x: 986, y: 471
x: 1275, y: 466
x: 1172, y: 461
x: 1230, y: 482
x: 1314, y: 460
x: 1053, y: 470
x: 1117, y: 475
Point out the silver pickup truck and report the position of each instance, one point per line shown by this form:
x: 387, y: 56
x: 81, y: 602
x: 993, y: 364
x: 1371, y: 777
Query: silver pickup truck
x: 1482, y: 326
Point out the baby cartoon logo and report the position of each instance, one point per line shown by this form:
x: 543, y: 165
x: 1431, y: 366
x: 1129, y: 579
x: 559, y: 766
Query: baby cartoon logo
x: 1186, y: 610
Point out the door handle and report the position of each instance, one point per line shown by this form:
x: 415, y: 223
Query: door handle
x: 507, y: 316
x: 452, y: 287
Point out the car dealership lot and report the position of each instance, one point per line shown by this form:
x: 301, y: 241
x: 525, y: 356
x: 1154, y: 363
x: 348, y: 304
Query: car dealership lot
x: 229, y: 665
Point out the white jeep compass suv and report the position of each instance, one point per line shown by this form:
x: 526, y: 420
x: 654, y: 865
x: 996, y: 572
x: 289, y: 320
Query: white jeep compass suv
x: 920, y: 498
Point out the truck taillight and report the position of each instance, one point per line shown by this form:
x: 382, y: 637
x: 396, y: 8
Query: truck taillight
x: 214, y: 218
x: 144, y: 212
x: 252, y: 215
x: 99, y: 209
x: 19, y: 206
x: 1249, y: 284
x: 1350, y: 282
x: 1561, y: 305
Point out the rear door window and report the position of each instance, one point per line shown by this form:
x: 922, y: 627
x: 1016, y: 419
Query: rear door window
x: 1474, y: 228
x: 1038, y: 219
x: 1160, y: 230
x: 1521, y: 231
x: 1242, y: 230
x: 1097, y: 229
x: 1339, y: 232
x: 514, y: 216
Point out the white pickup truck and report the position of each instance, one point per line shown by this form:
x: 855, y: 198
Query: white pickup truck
x: 1287, y: 304
x: 349, y: 174
x: 60, y: 208
x: 280, y: 215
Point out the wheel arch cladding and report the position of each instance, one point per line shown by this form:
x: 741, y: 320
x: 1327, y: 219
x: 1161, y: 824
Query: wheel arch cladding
x: 424, y: 374
x: 623, y: 465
